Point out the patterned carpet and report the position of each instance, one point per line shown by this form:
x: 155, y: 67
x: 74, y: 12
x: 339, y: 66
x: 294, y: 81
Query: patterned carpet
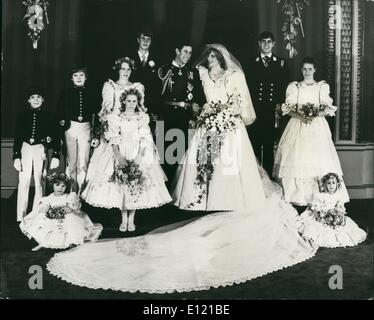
x: 308, y: 280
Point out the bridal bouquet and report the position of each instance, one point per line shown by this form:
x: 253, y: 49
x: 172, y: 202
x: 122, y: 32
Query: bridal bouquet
x: 220, y: 117
x: 332, y: 217
x: 130, y: 176
x: 216, y: 120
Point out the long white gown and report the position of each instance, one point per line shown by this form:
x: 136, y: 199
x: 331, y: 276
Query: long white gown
x: 306, y: 152
x: 102, y: 161
x: 220, y: 249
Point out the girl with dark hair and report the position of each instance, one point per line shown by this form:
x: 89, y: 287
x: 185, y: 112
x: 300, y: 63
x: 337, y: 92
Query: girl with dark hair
x: 306, y: 151
x: 57, y: 222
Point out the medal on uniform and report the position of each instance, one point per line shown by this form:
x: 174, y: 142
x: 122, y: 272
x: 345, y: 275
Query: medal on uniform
x: 32, y: 140
x: 190, y: 75
x: 189, y: 86
x: 80, y: 118
x: 180, y: 72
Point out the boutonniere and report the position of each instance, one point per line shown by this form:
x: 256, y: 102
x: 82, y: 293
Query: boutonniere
x: 151, y: 63
x: 190, y: 75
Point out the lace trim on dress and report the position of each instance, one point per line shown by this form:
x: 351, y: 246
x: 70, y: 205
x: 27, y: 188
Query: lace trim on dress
x: 53, y: 268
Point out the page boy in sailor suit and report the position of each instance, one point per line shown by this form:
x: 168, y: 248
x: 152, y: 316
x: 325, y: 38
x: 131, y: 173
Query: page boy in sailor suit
x: 36, y: 130
x: 76, y: 113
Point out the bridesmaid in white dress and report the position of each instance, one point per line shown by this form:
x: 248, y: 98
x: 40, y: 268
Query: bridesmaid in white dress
x: 101, y: 162
x: 306, y: 151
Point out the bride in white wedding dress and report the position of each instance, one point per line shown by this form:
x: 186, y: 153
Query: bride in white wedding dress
x: 219, y: 249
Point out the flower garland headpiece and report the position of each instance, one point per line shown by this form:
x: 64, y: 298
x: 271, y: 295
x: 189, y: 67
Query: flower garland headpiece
x: 52, y: 178
x: 327, y: 177
x: 135, y: 92
x: 119, y: 61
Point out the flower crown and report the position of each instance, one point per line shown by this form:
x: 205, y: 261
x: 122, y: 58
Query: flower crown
x: 119, y: 61
x: 132, y: 91
x: 52, y: 178
x: 327, y: 177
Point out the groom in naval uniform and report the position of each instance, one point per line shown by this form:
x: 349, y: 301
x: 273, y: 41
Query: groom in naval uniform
x: 267, y: 77
x: 181, y: 98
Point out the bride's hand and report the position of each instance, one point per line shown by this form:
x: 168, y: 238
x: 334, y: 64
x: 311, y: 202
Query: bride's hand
x: 195, y: 108
x: 121, y: 162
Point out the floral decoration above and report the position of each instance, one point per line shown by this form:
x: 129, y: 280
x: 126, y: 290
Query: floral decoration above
x: 35, y: 14
x: 292, y: 10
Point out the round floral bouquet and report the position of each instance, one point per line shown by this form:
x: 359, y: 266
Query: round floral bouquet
x: 308, y: 110
x: 58, y: 212
x: 220, y: 117
x: 129, y: 175
x: 332, y: 217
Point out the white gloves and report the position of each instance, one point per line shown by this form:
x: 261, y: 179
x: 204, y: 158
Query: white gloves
x: 17, y: 164
x: 54, y: 163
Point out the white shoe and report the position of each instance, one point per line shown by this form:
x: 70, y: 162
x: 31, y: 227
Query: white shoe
x: 123, y: 227
x: 131, y: 226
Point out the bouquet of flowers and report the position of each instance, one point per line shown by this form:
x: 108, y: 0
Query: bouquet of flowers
x: 131, y: 176
x: 216, y: 119
x: 36, y: 11
x: 308, y: 110
x: 332, y: 217
x: 58, y: 212
x: 220, y: 117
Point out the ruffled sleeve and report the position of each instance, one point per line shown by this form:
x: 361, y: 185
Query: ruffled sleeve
x: 291, y: 98
x: 113, y: 133
x: 108, y: 94
x: 326, y: 100
x: 237, y: 88
x: 74, y: 202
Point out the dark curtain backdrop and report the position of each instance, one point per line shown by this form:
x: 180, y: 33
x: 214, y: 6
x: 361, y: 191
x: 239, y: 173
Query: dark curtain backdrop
x: 96, y: 32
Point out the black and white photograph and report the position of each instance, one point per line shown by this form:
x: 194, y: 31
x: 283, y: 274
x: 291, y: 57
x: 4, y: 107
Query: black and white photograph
x: 187, y: 150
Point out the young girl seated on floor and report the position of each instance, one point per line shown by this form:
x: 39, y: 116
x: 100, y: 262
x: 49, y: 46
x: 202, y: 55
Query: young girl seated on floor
x: 57, y: 221
x: 325, y: 222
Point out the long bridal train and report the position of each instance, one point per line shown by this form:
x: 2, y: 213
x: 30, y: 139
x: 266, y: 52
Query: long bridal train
x: 220, y: 249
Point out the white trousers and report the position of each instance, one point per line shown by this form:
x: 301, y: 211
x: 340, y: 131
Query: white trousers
x: 78, y: 141
x: 33, y: 158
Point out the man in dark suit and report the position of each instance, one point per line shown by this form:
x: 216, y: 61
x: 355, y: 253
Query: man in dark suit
x: 267, y: 77
x: 146, y: 66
